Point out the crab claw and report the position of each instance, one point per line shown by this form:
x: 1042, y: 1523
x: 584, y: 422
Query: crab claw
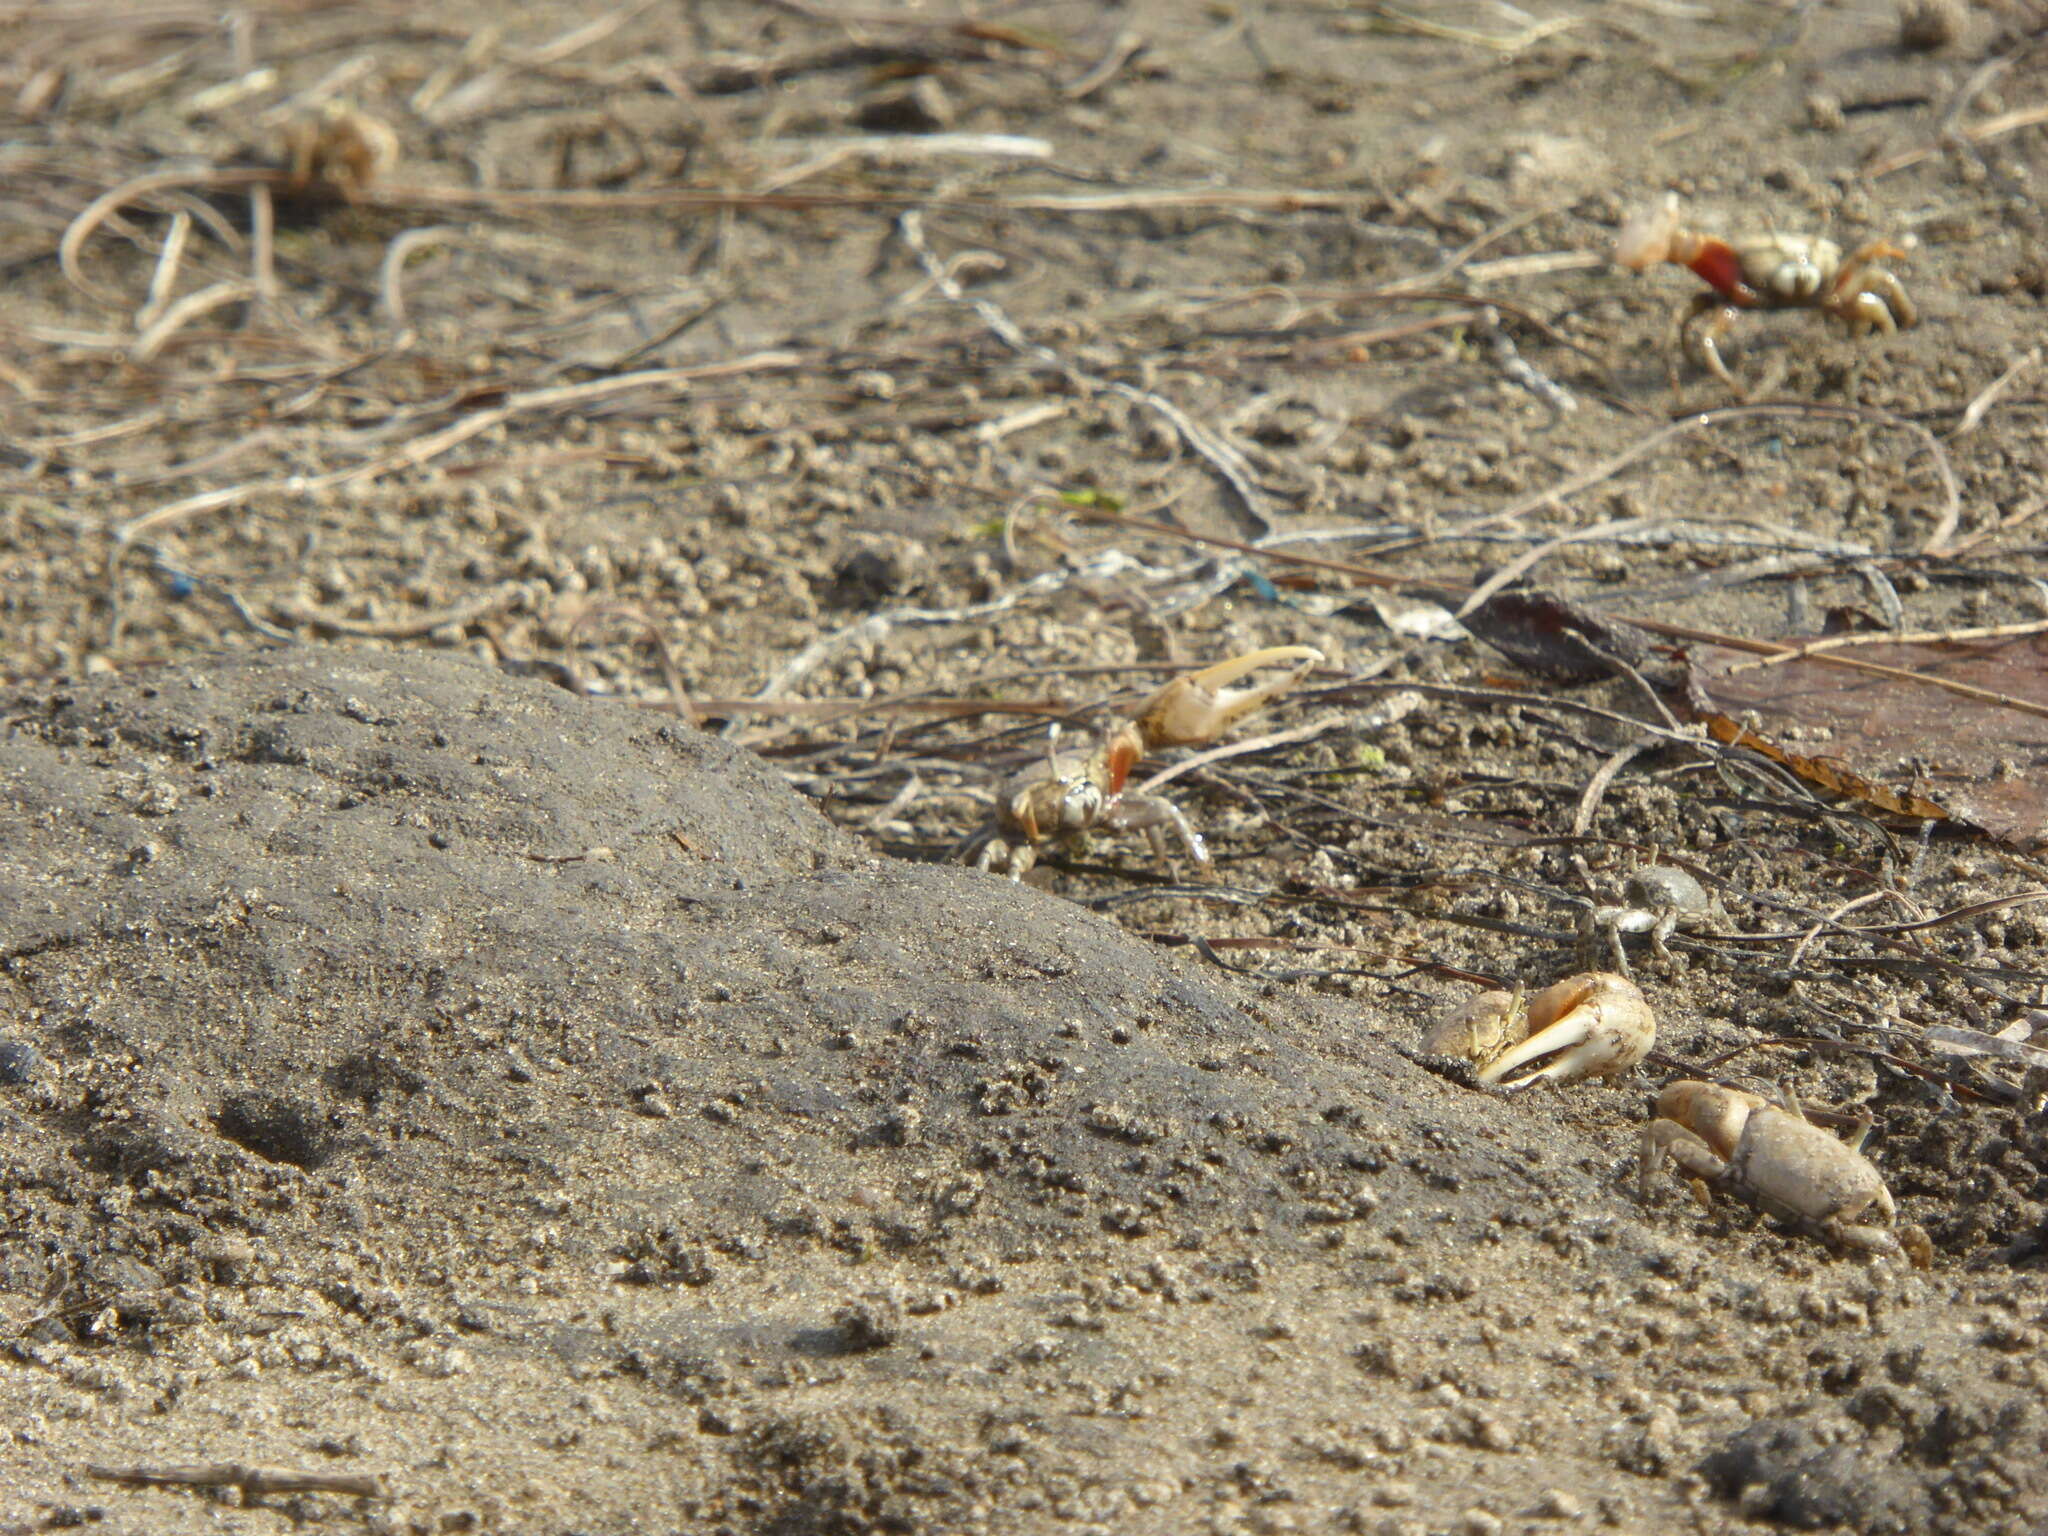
x: 1595, y: 1024
x: 1646, y: 238
x: 1196, y: 708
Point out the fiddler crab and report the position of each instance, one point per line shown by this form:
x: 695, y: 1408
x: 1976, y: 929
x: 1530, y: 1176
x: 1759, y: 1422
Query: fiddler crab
x: 1070, y: 794
x: 1768, y: 271
x: 1596, y: 1024
x: 338, y: 153
x: 1658, y: 900
x: 1769, y: 1154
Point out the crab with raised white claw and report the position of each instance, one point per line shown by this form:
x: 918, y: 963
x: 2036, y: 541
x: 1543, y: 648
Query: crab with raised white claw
x: 1769, y: 1154
x: 1070, y: 794
x: 1595, y: 1024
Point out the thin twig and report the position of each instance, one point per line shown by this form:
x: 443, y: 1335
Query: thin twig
x: 1508, y: 43
x: 679, y: 698
x: 461, y: 616
x: 432, y: 445
x: 96, y: 212
x: 1987, y: 397
x: 163, y: 282
x: 1977, y: 133
x: 1970, y: 1042
x: 251, y: 1480
x: 185, y: 311
x: 1945, y: 525
x: 1218, y: 454
x: 1127, y: 46
x: 263, y: 244
x: 391, y: 271
x: 713, y: 200
x: 1916, y: 637
x: 1249, y: 747
x: 1528, y: 560
x: 1831, y: 922
x: 1520, y: 369
x: 1107, y: 566
x: 1596, y: 787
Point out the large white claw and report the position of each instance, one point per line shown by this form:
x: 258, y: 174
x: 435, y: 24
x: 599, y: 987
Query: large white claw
x: 1194, y: 709
x: 1595, y: 1024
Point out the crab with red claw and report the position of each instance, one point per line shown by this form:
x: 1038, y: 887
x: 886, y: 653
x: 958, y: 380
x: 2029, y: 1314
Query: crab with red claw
x: 1070, y: 794
x: 1769, y: 271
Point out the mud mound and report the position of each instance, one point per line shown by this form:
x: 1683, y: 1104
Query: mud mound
x: 536, y: 1105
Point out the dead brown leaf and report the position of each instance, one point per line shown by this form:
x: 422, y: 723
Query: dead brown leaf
x: 1916, y: 745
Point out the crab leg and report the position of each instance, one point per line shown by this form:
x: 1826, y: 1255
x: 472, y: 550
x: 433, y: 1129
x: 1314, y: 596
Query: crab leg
x: 1593, y: 1025
x: 1196, y: 708
x: 1666, y: 1141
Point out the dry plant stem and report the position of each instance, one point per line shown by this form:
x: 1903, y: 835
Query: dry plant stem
x: 432, y: 445
x: 1511, y: 362
x: 1127, y: 46
x: 1373, y: 577
x: 1465, y: 253
x: 1107, y: 566
x: 1228, y: 463
x: 461, y: 616
x: 1596, y: 787
x: 1529, y: 559
x: 263, y: 244
x: 671, y: 674
x: 1831, y: 922
x: 1945, y: 525
x: 1975, y: 412
x: 96, y: 212
x: 163, y: 282
x: 576, y: 39
x: 184, y: 312
x: 106, y: 432
x: 1977, y: 133
x: 1510, y: 43
x: 830, y: 711
x: 1965, y: 94
x: 711, y: 200
x: 1915, y: 637
x: 1971, y: 1042
x: 1684, y: 738
x: 896, y: 149
x: 391, y: 272
x: 1364, y: 575
x: 1246, y: 748
x: 1925, y: 924
x: 1896, y: 674
x: 251, y: 1480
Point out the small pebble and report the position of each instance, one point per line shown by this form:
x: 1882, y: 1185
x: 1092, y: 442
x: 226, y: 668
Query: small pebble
x: 1557, y: 1504
x: 18, y: 1062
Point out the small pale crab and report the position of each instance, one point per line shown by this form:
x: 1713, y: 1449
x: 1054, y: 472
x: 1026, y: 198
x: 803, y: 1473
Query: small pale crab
x: 339, y: 153
x: 1769, y: 271
x: 1769, y: 1154
x: 1070, y: 794
x: 1658, y: 900
x: 1596, y: 1024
